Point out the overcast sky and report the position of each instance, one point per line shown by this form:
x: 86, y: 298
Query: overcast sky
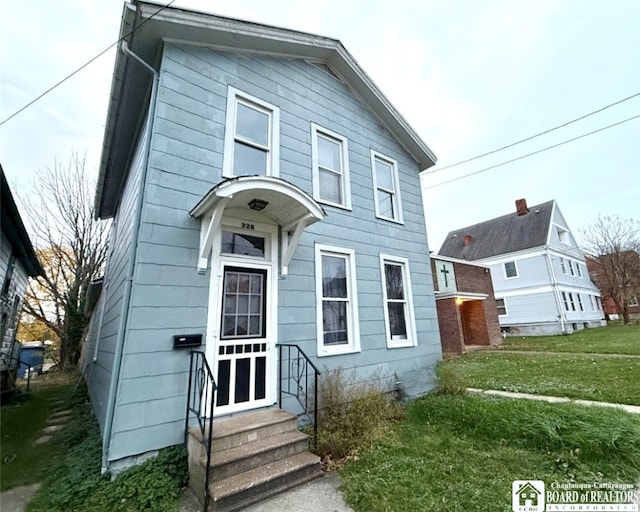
x: 469, y: 76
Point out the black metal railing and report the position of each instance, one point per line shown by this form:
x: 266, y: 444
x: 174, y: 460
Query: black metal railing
x: 295, y: 372
x: 200, y: 398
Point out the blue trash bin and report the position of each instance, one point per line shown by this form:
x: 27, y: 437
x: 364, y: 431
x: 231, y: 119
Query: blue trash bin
x: 31, y: 356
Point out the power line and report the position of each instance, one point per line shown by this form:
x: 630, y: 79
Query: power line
x: 534, y: 136
x: 57, y: 84
x: 534, y: 152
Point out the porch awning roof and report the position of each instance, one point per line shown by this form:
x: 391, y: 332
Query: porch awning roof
x: 461, y: 296
x: 287, y: 205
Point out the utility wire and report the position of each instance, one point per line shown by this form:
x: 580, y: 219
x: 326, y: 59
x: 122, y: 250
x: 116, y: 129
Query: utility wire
x: 533, y: 152
x: 56, y: 85
x: 534, y: 136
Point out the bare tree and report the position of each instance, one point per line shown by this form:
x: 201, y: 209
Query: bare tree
x: 72, y: 249
x: 614, y: 246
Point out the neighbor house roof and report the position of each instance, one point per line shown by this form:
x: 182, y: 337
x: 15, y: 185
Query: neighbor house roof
x: 145, y: 26
x: 502, y: 235
x: 14, y: 230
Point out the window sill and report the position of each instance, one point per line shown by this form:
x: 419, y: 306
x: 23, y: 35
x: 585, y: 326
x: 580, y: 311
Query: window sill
x: 395, y: 221
x: 346, y: 349
x: 334, y: 205
x: 404, y: 344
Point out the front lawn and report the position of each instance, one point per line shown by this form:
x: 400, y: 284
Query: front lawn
x: 461, y: 453
x: 605, y: 379
x: 616, y: 338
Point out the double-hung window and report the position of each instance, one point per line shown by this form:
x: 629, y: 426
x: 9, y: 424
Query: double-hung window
x: 336, y: 300
x: 251, y: 145
x: 398, y: 301
x: 510, y: 269
x: 502, y: 307
x: 579, y: 302
x: 330, y: 158
x: 563, y: 266
x: 565, y: 301
x: 386, y: 187
x: 579, y: 269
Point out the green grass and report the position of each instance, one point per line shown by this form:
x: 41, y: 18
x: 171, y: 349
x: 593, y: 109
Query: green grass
x: 21, y: 423
x: 461, y: 453
x: 605, y: 379
x: 616, y: 338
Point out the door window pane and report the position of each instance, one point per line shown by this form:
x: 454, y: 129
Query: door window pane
x: 243, y: 304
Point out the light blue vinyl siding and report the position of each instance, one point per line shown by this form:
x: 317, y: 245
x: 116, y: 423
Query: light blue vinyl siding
x: 120, y: 253
x: 169, y: 297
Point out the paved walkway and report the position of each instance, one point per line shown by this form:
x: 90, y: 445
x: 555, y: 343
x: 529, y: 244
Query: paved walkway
x: 634, y: 409
x: 320, y: 494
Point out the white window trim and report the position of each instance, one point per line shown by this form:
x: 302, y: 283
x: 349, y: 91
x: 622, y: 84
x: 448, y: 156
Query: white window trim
x: 632, y: 302
x: 412, y: 336
x: 506, y: 309
x: 579, y: 298
x: 273, y: 159
x: 396, y: 184
x: 353, y: 323
x: 565, y: 301
x: 504, y: 269
x: 344, y: 160
x: 571, y: 302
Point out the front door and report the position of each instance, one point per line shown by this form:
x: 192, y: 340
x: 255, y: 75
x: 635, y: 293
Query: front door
x: 244, y: 342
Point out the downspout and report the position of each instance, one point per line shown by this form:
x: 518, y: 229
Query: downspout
x: 124, y: 317
x: 554, y: 284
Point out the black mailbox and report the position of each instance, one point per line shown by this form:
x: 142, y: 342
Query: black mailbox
x: 187, y: 340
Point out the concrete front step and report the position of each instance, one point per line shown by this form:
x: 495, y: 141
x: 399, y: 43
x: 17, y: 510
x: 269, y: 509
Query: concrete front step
x: 246, y: 457
x: 238, y: 491
x: 246, y: 428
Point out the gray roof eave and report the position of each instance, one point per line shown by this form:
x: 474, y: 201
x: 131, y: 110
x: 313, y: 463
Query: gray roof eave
x: 130, y: 83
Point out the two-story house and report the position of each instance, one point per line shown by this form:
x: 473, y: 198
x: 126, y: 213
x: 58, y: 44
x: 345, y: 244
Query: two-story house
x: 263, y: 192
x: 539, y: 273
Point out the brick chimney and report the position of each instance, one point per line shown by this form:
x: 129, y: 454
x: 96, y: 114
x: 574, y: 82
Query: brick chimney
x: 521, y: 207
x: 467, y: 240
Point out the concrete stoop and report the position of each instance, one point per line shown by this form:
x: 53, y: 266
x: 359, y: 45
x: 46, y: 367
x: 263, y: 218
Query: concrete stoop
x: 254, y: 456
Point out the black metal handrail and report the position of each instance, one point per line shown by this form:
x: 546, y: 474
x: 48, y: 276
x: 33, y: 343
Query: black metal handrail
x: 298, y: 369
x: 200, y: 398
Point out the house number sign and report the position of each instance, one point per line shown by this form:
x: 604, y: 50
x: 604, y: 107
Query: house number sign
x: 247, y: 225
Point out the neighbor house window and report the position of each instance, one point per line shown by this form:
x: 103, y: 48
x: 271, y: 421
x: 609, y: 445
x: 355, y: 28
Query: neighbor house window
x: 579, y: 302
x: 330, y: 159
x: 563, y: 236
x: 573, y: 305
x: 386, y: 187
x: 571, y: 268
x: 251, y: 145
x: 579, y: 269
x: 510, y: 269
x: 565, y: 301
x: 336, y: 299
x: 592, y: 299
x: 563, y: 266
x: 502, y: 307
x: 632, y: 302
x: 398, y: 302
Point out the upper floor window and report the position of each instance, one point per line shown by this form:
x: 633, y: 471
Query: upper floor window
x: 510, y: 269
x: 580, y: 302
x: 573, y: 273
x: 6, y: 284
x: 632, y: 302
x: 251, y: 145
x: 579, y: 269
x: 565, y: 301
x: 336, y: 301
x: 502, y: 307
x: 563, y: 236
x: 330, y: 159
x: 398, y: 313
x: 563, y: 267
x: 386, y: 187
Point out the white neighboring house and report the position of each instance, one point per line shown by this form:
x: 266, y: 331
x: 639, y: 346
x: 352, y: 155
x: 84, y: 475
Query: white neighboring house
x: 539, y: 274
